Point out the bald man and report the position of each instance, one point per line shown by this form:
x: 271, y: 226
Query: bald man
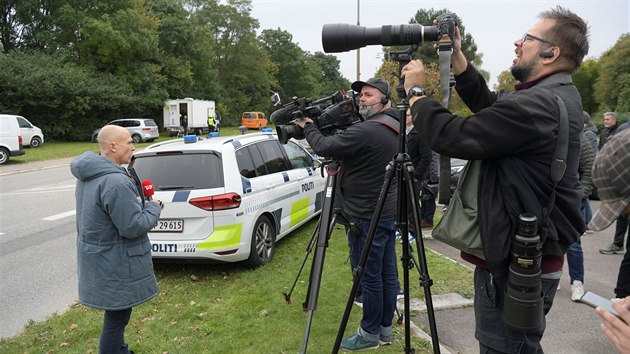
x: 113, y: 250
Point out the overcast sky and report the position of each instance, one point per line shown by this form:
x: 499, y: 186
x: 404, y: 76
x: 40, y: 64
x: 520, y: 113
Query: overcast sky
x: 494, y: 25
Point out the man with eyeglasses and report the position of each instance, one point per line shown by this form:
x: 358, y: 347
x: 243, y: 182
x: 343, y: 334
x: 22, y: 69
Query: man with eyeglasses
x: 514, y: 135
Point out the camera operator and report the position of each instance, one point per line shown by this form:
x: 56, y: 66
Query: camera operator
x: 365, y: 149
x: 514, y: 136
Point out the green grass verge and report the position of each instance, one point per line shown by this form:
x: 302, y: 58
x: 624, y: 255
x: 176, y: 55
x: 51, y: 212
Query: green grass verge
x: 51, y: 150
x: 230, y: 309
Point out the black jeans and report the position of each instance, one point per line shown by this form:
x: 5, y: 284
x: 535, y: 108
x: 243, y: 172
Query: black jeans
x: 621, y: 228
x: 491, y: 331
x: 623, y: 279
x: 112, y: 339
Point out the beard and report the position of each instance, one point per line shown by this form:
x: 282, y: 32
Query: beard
x: 368, y: 111
x: 522, y: 71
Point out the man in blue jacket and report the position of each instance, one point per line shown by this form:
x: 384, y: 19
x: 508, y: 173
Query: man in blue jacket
x: 514, y: 136
x: 113, y: 250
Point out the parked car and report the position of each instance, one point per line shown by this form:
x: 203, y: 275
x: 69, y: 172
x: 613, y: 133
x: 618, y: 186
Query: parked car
x: 10, y: 137
x: 32, y: 136
x: 254, y: 120
x: 141, y: 129
x: 229, y: 199
x: 457, y: 165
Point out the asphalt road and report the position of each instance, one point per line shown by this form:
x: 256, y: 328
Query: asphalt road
x: 571, y: 327
x: 37, y: 243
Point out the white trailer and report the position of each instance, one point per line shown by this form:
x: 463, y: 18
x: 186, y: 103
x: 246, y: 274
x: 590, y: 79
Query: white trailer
x: 197, y: 112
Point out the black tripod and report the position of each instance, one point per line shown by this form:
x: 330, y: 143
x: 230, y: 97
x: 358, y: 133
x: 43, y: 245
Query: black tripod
x: 401, y: 168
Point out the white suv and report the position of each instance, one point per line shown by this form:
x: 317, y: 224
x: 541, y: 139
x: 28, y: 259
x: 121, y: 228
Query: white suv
x: 141, y: 129
x: 229, y: 199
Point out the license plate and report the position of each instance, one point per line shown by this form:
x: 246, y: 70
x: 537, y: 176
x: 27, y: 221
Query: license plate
x: 169, y: 225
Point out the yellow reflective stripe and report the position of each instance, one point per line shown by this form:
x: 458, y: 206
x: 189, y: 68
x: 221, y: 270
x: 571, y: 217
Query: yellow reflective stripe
x: 299, y: 211
x: 222, y: 237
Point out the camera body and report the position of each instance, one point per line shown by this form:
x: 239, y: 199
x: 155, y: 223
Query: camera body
x: 330, y: 114
x: 523, y: 310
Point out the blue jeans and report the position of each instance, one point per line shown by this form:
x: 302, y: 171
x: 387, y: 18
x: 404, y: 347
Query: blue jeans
x: 575, y: 260
x: 112, y: 339
x: 379, y: 280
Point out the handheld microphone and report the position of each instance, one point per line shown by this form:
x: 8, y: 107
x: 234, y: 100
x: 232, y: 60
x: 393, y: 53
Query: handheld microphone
x: 147, y: 189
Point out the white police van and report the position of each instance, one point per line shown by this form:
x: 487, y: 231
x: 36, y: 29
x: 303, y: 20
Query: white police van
x: 229, y: 199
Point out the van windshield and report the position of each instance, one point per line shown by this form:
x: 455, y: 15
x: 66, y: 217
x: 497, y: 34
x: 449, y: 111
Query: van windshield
x: 181, y: 171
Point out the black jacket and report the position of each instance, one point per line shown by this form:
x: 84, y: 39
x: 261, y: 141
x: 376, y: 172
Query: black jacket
x: 420, y: 154
x: 606, y: 134
x: 365, y: 149
x: 515, y: 137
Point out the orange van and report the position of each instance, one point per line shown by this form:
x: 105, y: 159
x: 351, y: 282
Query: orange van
x: 254, y: 120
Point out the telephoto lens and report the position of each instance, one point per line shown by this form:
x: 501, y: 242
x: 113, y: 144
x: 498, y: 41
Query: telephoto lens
x: 523, y: 310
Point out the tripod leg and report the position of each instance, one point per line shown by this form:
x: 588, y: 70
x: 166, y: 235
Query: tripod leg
x: 309, y: 248
x: 425, y: 280
x: 320, y: 249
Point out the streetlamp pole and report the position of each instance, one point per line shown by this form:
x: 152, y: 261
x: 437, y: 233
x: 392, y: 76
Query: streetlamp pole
x: 358, y: 49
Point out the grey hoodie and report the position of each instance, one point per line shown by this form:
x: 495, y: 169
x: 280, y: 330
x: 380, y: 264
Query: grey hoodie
x: 113, y: 250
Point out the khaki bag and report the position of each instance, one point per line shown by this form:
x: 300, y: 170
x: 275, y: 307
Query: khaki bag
x: 459, y: 226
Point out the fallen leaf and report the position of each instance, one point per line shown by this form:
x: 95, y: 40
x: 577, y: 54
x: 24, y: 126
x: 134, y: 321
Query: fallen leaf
x: 194, y: 277
x: 74, y: 326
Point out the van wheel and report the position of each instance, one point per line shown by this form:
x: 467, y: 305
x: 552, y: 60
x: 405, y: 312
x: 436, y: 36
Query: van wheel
x: 4, y: 155
x: 136, y: 139
x: 263, y: 243
x: 35, y: 142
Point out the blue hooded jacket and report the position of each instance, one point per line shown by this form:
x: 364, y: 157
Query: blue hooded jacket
x: 114, y: 263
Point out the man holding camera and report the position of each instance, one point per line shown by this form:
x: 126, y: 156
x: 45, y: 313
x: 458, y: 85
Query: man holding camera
x: 365, y: 149
x: 515, y: 136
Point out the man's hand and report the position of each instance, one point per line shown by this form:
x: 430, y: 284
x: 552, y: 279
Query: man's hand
x: 301, y: 122
x: 413, y: 74
x: 617, y: 329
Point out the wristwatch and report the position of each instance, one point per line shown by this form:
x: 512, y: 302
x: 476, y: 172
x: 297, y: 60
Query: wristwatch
x: 416, y: 91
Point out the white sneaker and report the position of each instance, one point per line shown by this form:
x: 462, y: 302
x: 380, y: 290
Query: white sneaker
x: 577, y: 290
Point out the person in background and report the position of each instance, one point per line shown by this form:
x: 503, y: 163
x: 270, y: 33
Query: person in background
x: 575, y: 256
x: 611, y: 177
x: 590, y: 132
x: 514, y: 137
x: 114, y: 263
x: 610, y: 128
x: 421, y: 158
x: 622, y: 227
x: 211, y: 124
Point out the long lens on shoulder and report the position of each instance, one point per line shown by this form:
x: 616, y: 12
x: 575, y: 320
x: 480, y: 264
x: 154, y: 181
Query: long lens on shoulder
x: 523, y: 310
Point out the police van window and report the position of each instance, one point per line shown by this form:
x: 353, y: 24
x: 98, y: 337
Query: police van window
x: 274, y: 157
x: 297, y: 156
x: 245, y: 163
x: 181, y: 171
x: 259, y: 162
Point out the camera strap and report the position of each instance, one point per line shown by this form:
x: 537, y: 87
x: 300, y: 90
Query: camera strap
x: 558, y: 163
x: 387, y: 121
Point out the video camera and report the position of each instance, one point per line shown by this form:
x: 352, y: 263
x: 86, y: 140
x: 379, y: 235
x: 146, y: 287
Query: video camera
x: 341, y: 37
x: 330, y: 114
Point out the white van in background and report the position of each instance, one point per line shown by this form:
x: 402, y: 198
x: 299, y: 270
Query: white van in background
x: 10, y: 138
x: 32, y: 136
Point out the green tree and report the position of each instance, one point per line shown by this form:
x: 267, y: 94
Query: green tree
x: 584, y: 79
x: 612, y: 86
x: 331, y: 79
x: 66, y: 100
x: 505, y: 81
x: 296, y: 72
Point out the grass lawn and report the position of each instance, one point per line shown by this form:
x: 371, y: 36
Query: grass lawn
x: 231, y: 309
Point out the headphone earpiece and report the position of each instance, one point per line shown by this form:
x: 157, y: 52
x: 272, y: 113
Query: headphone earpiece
x: 546, y: 54
x: 385, y: 99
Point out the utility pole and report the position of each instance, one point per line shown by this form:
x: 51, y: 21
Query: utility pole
x: 358, y: 49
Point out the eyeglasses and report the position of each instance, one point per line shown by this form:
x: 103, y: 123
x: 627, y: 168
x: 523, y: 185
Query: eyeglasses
x: 527, y: 35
